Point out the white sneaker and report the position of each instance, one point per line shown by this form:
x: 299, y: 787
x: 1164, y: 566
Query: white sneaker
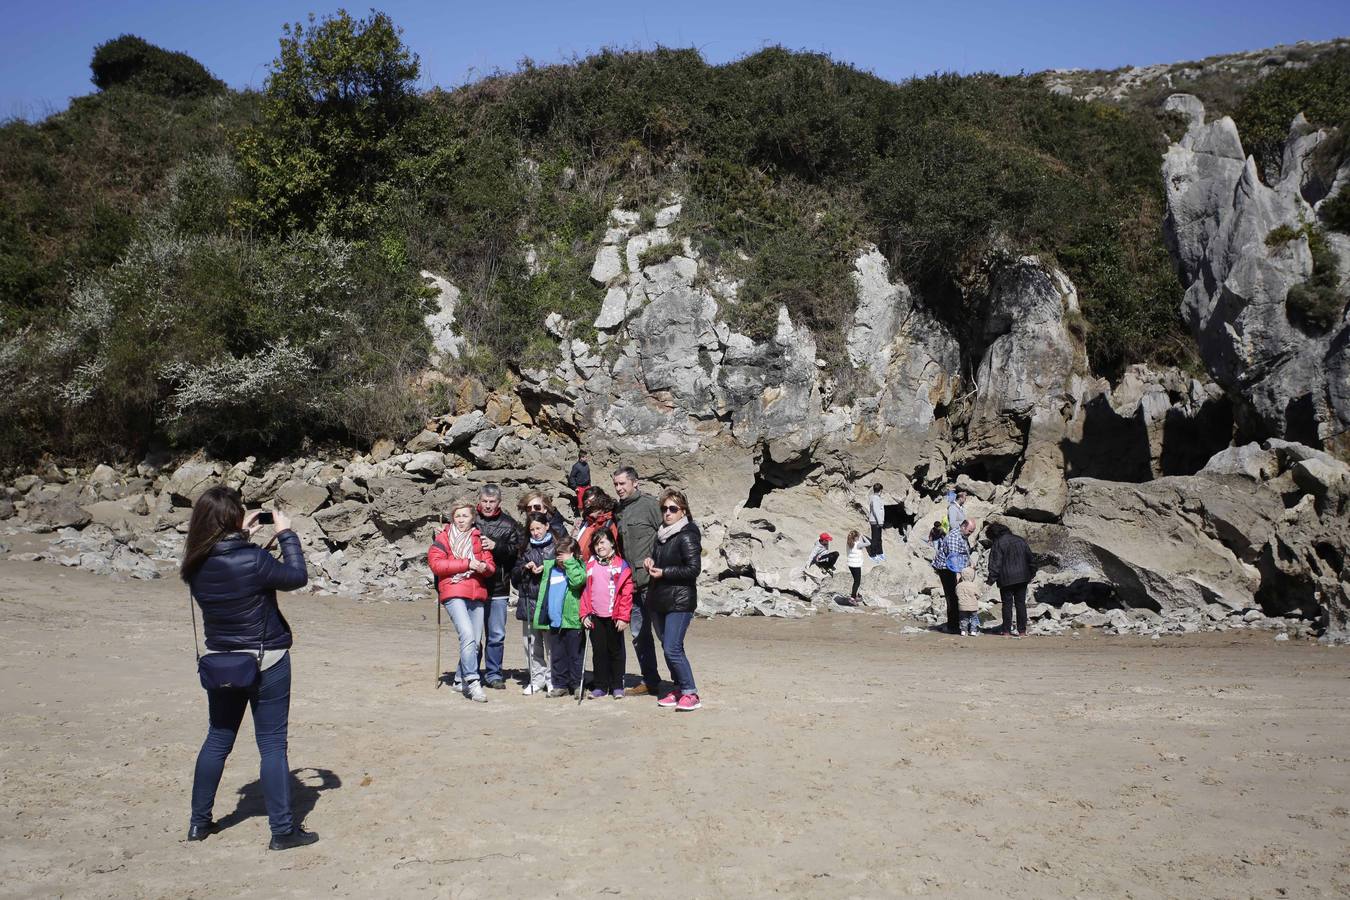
x: 533, y: 689
x: 475, y: 693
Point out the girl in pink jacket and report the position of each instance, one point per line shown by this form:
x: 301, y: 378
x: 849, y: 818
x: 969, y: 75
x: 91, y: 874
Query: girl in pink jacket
x: 606, y: 606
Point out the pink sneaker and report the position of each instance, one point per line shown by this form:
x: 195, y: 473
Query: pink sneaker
x: 669, y: 700
x: 688, y: 703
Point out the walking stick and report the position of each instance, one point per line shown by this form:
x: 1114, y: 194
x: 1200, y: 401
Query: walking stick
x: 439, y: 670
x: 581, y: 688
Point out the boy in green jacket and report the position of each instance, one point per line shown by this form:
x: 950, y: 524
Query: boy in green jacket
x: 559, y: 613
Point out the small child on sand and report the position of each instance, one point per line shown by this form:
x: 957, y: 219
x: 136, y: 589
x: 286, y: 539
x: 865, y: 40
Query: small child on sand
x: 968, y: 601
x: 606, y: 606
x: 558, y: 614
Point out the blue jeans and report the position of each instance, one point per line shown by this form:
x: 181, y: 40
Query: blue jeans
x: 670, y: 628
x: 494, y: 651
x: 467, y: 616
x: 271, y: 702
x: 644, y: 648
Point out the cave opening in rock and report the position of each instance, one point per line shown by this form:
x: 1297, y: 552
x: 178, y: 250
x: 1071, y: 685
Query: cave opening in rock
x: 899, y: 518
x: 1190, y: 441
x: 772, y: 476
x: 1113, y: 447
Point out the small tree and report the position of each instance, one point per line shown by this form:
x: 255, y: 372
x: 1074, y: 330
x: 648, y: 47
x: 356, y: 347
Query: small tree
x: 138, y: 64
x: 334, y: 106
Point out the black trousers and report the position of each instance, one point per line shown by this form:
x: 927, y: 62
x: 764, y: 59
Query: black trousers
x: 827, y: 560
x: 608, y: 657
x: 1014, y: 595
x: 948, y: 579
x: 856, y: 572
x: 875, y: 547
x: 567, y: 656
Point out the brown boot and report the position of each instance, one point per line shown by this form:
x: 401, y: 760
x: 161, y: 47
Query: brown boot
x: 638, y: 690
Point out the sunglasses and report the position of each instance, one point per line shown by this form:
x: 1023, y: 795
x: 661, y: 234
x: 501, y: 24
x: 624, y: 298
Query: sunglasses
x: 672, y: 509
x: 537, y: 507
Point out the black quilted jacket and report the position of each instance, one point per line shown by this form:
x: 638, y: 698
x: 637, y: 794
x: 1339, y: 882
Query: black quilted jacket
x: 236, y: 589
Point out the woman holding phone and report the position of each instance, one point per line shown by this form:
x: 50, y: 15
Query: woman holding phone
x: 235, y: 584
x: 672, y: 595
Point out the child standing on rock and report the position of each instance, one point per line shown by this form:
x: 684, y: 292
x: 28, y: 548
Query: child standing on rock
x: 606, y: 605
x: 558, y: 613
x: 968, y: 601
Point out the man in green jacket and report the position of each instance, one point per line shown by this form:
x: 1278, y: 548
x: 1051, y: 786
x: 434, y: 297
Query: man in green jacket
x: 638, y: 518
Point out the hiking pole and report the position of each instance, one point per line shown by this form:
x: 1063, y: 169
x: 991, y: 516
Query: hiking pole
x: 439, y: 671
x: 581, y: 686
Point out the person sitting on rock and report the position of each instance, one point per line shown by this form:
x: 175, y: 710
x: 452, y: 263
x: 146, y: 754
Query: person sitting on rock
x: 822, y: 555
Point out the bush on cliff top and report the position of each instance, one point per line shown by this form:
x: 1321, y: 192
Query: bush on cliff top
x: 788, y: 163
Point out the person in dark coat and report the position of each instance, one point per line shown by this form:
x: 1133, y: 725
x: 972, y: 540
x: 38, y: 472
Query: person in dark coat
x: 502, y: 537
x: 1011, y: 568
x: 638, y: 518
x: 235, y: 583
x: 538, y: 550
x: 672, y: 593
x: 579, y: 479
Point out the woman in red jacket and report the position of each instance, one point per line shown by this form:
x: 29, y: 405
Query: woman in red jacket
x: 462, y: 569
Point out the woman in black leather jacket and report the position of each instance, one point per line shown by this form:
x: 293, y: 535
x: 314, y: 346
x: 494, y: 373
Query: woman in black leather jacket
x: 235, y: 582
x: 672, y: 595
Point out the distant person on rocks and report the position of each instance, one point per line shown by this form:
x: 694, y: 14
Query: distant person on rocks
x: 1011, y: 568
x: 538, y: 501
x: 464, y: 571
x: 606, y: 606
x: 639, y: 517
x: 502, y: 537
x: 539, y: 549
x: 954, y: 551
x: 968, y: 600
x: 822, y: 555
x: 579, y: 479
x: 235, y: 583
x: 672, y: 597
x: 598, y: 517
x: 855, y: 544
x: 558, y: 612
x: 876, y: 517
x: 956, y: 508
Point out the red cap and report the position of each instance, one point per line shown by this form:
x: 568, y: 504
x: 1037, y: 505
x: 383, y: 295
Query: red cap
x: 825, y: 536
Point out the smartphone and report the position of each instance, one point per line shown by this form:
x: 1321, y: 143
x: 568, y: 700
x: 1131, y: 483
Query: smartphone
x: 265, y: 518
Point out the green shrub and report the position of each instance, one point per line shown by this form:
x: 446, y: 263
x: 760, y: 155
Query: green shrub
x: 1318, y: 303
x: 1335, y: 213
x: 659, y: 253
x: 1321, y: 91
x: 129, y: 61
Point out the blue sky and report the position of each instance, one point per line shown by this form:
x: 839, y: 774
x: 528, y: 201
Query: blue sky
x: 45, y: 46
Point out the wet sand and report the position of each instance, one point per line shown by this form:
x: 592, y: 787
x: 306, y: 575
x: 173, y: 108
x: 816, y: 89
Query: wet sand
x: 833, y: 757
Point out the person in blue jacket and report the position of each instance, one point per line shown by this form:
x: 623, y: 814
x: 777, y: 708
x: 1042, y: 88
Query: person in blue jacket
x: 235, y: 583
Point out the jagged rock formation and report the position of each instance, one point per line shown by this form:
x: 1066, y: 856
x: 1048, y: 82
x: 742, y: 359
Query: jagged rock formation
x: 1286, y: 379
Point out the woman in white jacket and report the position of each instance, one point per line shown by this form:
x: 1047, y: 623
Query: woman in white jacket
x: 856, y: 545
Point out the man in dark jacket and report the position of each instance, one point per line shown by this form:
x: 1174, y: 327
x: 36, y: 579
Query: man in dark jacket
x: 1011, y: 568
x: 502, y: 537
x: 579, y: 479
x: 638, y: 518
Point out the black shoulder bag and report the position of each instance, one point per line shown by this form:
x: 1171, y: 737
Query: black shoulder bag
x: 235, y: 669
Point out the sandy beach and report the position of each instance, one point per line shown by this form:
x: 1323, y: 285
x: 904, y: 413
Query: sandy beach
x: 834, y: 756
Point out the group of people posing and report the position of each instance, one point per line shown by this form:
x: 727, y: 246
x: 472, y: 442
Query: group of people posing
x: 629, y: 566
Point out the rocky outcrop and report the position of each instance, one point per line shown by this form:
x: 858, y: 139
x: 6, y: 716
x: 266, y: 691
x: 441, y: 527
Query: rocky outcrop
x: 1240, y: 245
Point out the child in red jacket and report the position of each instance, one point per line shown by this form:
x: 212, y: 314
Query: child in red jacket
x: 606, y: 606
x: 462, y: 569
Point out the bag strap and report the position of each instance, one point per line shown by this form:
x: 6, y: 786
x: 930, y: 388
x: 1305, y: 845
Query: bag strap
x: 192, y: 608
